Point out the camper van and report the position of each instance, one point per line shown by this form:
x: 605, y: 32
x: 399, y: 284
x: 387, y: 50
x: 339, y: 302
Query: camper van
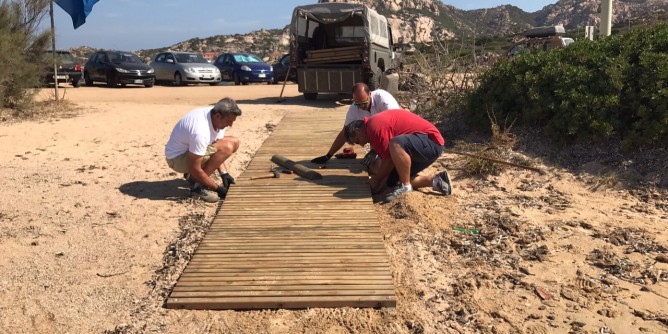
x: 335, y: 45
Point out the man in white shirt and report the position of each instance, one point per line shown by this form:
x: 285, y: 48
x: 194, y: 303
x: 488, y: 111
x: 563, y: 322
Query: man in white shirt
x: 198, y: 146
x: 365, y: 104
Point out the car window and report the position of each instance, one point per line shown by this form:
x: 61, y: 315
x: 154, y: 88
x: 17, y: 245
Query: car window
x: 247, y: 59
x: 123, y: 57
x: 101, y: 58
x: 169, y: 56
x: 62, y: 58
x: 228, y: 60
x: 160, y: 58
x: 219, y: 60
x: 190, y: 58
x: 286, y: 61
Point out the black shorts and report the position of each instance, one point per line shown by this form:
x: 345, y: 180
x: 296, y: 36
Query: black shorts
x: 422, y: 150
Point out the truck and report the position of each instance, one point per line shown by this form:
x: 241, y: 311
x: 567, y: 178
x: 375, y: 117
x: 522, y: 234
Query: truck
x: 335, y: 45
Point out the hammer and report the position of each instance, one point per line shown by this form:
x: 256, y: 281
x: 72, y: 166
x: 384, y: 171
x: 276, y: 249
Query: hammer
x: 274, y: 175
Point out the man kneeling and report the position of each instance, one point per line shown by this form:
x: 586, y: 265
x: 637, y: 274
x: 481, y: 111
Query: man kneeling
x: 406, y: 144
x: 198, y: 146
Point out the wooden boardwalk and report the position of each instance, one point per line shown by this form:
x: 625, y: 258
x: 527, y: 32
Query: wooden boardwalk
x: 290, y: 242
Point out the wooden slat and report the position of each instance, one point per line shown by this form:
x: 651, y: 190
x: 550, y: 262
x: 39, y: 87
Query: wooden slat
x: 289, y: 242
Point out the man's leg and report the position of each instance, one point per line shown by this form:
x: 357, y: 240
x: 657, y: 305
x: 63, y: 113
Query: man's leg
x: 411, y: 154
x: 401, y: 160
x: 224, y: 149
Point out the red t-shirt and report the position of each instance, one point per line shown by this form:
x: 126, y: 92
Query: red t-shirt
x: 381, y: 128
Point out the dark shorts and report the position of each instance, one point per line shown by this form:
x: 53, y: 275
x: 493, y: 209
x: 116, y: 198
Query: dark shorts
x: 422, y: 150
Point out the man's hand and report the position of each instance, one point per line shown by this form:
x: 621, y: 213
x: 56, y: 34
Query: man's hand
x: 227, y: 179
x: 369, y: 158
x: 323, y: 159
x: 222, y: 191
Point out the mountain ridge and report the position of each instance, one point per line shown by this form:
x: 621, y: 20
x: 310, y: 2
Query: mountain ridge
x: 423, y: 21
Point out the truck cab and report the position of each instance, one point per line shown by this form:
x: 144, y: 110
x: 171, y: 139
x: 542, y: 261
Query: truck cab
x: 335, y: 45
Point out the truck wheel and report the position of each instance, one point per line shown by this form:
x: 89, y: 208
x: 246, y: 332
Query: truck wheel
x: 374, y: 81
x: 310, y: 96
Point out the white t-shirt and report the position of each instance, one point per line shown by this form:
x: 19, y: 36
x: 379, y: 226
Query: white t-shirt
x: 193, y: 133
x: 380, y: 101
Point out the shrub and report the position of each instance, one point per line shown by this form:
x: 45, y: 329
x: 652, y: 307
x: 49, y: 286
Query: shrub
x: 614, y: 87
x: 21, y: 49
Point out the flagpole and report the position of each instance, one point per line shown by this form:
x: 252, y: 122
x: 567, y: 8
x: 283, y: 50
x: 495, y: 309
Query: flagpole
x: 53, y: 50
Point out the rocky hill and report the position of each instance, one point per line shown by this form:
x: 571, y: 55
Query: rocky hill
x: 422, y: 21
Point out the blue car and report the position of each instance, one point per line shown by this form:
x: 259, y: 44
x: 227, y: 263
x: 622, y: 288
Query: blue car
x: 243, y: 68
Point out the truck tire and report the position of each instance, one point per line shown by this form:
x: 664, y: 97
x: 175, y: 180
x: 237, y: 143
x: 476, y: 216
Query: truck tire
x: 310, y: 96
x: 374, y: 81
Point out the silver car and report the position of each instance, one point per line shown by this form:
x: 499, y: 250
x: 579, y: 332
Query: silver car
x: 183, y: 68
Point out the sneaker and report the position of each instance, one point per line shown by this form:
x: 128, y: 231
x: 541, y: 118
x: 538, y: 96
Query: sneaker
x: 397, y: 192
x: 442, y: 183
x: 198, y: 191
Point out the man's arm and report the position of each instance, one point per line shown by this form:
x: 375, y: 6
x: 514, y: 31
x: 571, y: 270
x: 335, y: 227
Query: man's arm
x: 377, y: 181
x: 196, y: 171
x: 339, y: 141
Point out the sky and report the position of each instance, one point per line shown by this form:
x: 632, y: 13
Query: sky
x: 132, y: 25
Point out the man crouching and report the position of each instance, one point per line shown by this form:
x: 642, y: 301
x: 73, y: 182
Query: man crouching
x: 198, y: 146
x: 406, y: 144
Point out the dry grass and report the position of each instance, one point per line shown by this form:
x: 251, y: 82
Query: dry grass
x: 40, y: 111
x: 500, y: 147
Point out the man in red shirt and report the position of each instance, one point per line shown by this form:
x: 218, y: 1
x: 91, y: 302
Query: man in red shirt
x: 406, y: 144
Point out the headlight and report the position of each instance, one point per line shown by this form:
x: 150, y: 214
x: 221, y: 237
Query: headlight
x: 122, y: 70
x: 150, y: 71
x: 246, y: 68
x: 271, y: 68
x: 191, y: 70
x: 216, y: 70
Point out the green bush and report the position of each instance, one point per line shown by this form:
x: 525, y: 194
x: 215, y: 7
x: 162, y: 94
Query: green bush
x: 614, y: 87
x: 21, y: 50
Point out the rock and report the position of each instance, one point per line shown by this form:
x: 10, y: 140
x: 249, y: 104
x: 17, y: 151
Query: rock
x: 662, y: 258
x: 608, y: 313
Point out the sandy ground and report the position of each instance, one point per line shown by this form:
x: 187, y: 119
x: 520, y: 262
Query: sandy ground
x: 95, y: 228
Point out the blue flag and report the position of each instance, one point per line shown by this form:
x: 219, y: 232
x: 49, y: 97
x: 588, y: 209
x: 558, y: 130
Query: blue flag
x: 78, y: 10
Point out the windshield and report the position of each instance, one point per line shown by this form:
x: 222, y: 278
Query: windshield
x: 61, y: 58
x: 124, y: 57
x: 247, y: 59
x: 190, y: 58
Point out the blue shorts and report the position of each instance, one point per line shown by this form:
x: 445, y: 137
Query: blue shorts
x: 422, y: 150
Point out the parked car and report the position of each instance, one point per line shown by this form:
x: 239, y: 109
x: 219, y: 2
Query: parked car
x: 243, y: 68
x: 540, y: 38
x: 117, y: 67
x: 69, y: 69
x: 281, y: 69
x: 183, y: 68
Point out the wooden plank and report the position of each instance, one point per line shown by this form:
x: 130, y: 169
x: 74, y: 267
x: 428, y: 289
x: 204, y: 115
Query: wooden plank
x: 242, y: 303
x: 349, y: 287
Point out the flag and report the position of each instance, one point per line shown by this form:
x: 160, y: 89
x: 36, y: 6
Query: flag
x: 78, y: 10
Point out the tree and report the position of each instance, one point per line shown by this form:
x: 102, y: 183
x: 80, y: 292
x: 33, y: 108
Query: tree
x: 21, y: 48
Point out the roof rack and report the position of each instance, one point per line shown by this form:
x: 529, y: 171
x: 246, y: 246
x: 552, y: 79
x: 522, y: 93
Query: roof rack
x: 545, y: 31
